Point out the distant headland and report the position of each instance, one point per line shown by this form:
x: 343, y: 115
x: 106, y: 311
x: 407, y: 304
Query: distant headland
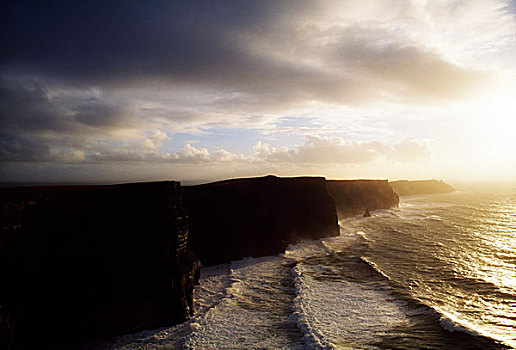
x: 409, y: 188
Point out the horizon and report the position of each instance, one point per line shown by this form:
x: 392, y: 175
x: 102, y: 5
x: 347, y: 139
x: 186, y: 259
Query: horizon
x: 471, y: 185
x: 200, y: 92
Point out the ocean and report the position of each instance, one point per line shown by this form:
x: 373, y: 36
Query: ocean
x: 439, y: 272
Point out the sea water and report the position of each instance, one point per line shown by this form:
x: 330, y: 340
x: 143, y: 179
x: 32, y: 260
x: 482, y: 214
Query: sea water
x: 439, y: 272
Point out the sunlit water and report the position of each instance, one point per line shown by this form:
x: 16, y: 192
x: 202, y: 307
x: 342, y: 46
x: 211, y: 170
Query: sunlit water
x: 437, y: 273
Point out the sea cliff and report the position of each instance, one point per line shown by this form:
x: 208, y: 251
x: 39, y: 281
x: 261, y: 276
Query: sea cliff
x: 354, y: 197
x: 233, y: 219
x: 407, y: 188
x: 96, y: 261
x: 85, y: 263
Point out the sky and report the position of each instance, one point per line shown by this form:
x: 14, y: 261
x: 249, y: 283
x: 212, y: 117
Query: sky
x: 117, y: 91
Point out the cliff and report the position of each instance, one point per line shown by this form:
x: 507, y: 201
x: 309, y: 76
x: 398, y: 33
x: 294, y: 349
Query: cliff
x: 407, y: 188
x: 354, y: 197
x: 86, y: 263
x: 232, y: 219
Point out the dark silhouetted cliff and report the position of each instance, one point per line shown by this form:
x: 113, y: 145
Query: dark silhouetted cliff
x: 86, y: 263
x: 232, y: 219
x: 407, y: 188
x: 354, y: 197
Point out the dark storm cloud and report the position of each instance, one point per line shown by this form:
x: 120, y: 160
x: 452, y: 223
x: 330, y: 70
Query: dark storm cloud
x: 200, y: 43
x: 34, y: 126
x: 26, y: 107
x: 110, y: 41
x: 12, y: 148
x: 103, y: 115
x: 256, y: 47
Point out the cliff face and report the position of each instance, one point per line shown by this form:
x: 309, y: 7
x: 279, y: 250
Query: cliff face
x: 407, y: 188
x: 230, y: 220
x: 354, y: 197
x: 89, y: 263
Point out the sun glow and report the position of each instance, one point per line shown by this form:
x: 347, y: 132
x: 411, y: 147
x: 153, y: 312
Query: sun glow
x: 494, y: 123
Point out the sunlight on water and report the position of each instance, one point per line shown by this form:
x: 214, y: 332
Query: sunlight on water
x: 437, y: 273
x: 466, y: 268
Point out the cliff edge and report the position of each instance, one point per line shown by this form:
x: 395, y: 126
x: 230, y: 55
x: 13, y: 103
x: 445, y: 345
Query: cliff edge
x: 86, y: 263
x: 233, y: 219
x: 353, y: 197
x: 407, y: 188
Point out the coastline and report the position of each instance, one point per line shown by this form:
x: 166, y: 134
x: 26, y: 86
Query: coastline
x: 192, y: 324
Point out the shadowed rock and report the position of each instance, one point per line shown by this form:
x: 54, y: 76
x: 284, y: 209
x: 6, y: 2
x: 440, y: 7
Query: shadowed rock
x: 232, y: 219
x: 353, y: 197
x: 87, y: 263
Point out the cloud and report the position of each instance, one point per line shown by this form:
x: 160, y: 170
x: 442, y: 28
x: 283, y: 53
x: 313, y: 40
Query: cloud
x: 120, y: 82
x: 27, y: 107
x: 270, y: 52
x: 260, y: 56
x: 335, y: 150
x: 103, y: 42
x: 30, y: 106
x: 411, y: 150
x: 315, y: 151
x: 27, y: 150
x: 187, y: 155
x: 408, y: 72
x: 154, y: 140
x: 99, y: 114
x: 321, y: 150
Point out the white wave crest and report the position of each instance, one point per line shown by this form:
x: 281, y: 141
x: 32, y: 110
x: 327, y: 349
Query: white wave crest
x: 341, y: 314
x: 375, y: 267
x: 254, y: 310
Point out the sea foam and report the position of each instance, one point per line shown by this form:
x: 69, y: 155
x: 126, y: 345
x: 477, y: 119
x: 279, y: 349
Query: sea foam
x: 254, y: 313
x: 332, y: 312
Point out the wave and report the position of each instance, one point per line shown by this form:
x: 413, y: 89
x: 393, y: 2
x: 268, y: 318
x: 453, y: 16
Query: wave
x: 447, y: 321
x: 254, y: 310
x: 215, y: 281
x: 305, y: 249
x: 434, y: 218
x: 375, y: 267
x: 332, y: 311
x: 302, y: 314
x: 452, y: 325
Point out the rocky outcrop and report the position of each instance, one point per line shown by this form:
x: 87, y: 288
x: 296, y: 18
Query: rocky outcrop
x: 353, y: 197
x: 407, y: 188
x: 87, y: 263
x: 233, y: 219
